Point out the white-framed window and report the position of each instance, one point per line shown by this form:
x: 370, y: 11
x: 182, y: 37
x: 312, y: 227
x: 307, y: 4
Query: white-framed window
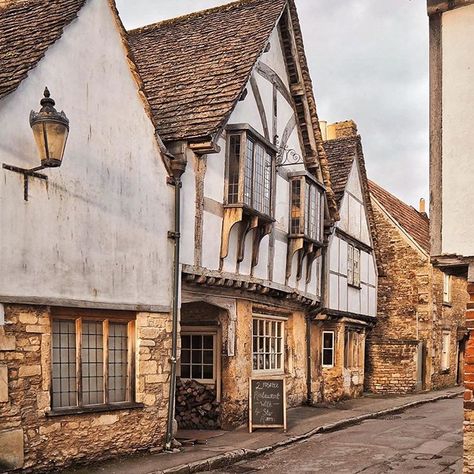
x: 353, y: 266
x: 447, y: 281
x: 267, y: 344
x: 198, y: 356
x: 445, y: 350
x: 352, y: 349
x: 328, y: 349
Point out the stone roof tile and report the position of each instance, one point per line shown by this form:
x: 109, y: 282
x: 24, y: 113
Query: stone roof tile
x: 194, y: 67
x: 415, y: 224
x: 27, y: 30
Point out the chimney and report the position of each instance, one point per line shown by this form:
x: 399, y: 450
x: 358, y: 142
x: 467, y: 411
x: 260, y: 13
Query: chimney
x: 422, y: 209
x: 341, y: 130
x: 323, y: 125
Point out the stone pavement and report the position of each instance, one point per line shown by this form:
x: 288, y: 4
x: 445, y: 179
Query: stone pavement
x: 234, y: 446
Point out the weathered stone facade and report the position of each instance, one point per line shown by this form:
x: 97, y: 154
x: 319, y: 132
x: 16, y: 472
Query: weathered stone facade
x: 236, y: 370
x: 32, y: 436
x: 404, y: 348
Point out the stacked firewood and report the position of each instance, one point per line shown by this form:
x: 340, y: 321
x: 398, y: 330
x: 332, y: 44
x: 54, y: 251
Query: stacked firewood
x: 196, y: 406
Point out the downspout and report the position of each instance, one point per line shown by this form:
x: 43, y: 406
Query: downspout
x: 178, y: 166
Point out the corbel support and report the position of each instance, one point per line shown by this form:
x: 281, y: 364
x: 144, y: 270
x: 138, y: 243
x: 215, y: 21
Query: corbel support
x: 294, y: 245
x: 246, y: 226
x: 232, y: 215
x: 259, y: 234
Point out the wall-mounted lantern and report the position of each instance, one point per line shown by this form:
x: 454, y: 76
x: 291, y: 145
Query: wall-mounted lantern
x: 50, y: 129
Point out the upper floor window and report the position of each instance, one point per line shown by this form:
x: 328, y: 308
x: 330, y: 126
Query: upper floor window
x: 307, y: 208
x: 447, y: 288
x: 250, y: 169
x: 353, y: 266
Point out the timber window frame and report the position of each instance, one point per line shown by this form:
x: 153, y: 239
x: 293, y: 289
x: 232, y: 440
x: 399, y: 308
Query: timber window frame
x: 268, y: 344
x: 306, y: 208
x: 193, y: 342
x: 328, y: 352
x: 353, y: 266
x: 250, y: 171
x: 92, y: 360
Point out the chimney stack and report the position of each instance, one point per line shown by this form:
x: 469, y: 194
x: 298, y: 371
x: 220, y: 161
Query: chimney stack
x: 422, y: 209
x: 344, y: 129
x: 323, y: 125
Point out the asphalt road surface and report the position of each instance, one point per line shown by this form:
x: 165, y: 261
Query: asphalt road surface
x: 423, y: 440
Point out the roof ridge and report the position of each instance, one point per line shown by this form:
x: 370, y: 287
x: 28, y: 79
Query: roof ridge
x: 188, y: 16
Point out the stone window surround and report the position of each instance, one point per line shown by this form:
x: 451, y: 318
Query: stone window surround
x: 352, y: 349
x: 103, y: 315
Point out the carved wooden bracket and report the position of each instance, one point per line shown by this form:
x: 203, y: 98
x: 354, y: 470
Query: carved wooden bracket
x: 232, y: 215
x: 248, y: 224
x: 302, y: 253
x: 262, y: 230
x: 309, y: 262
x: 294, y: 245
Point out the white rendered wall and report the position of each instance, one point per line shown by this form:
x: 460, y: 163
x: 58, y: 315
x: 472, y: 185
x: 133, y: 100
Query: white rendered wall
x: 246, y: 112
x: 458, y: 126
x: 97, y: 231
x: 341, y: 296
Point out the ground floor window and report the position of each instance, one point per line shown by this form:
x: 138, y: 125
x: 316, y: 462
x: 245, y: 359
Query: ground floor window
x: 198, y: 351
x: 328, y: 349
x: 353, y: 349
x: 92, y: 359
x: 445, y: 350
x: 267, y: 345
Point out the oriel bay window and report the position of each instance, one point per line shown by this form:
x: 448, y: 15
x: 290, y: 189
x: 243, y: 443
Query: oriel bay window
x: 306, y: 208
x: 250, y: 169
x: 92, y: 359
x: 306, y: 226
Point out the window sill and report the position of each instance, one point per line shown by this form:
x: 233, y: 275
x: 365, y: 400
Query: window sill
x: 449, y: 304
x: 357, y: 287
x: 93, y: 409
x: 445, y: 371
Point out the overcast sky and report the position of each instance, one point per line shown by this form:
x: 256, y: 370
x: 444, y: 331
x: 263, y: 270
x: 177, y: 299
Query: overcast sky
x: 369, y: 62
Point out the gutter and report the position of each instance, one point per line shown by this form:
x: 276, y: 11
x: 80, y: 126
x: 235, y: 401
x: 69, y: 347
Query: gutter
x: 178, y: 166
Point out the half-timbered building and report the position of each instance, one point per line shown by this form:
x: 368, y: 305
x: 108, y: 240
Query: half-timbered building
x: 350, y: 303
x: 232, y: 97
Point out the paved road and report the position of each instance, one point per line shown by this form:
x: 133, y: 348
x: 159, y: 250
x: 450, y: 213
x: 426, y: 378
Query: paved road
x: 422, y: 440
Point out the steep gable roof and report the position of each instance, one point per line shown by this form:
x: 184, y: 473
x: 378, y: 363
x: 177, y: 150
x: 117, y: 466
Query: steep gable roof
x: 341, y: 153
x: 194, y: 67
x: 27, y: 30
x: 415, y: 224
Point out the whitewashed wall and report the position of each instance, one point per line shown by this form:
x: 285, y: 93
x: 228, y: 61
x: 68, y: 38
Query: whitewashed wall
x: 98, y: 230
x: 246, y: 112
x: 458, y: 124
x: 341, y: 296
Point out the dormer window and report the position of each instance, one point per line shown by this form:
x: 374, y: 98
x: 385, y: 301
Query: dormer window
x: 250, y: 169
x: 306, y: 208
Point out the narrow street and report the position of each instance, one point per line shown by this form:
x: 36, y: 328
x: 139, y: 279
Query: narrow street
x: 426, y: 439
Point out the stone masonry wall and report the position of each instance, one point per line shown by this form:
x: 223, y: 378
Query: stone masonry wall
x: 31, y: 439
x: 395, y: 362
x: 237, y: 370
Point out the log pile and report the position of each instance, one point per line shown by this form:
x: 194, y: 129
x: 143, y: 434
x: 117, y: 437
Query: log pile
x: 196, y: 406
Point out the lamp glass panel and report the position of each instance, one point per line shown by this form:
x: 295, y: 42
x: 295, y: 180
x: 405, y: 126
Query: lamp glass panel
x: 56, y: 135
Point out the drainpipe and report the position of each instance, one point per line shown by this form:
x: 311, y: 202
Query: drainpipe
x: 178, y: 166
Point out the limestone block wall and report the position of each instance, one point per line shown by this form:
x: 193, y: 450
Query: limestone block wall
x: 237, y: 370
x: 392, y: 367
x: 31, y: 439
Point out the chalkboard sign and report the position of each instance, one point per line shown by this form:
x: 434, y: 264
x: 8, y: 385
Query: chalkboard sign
x: 267, y: 403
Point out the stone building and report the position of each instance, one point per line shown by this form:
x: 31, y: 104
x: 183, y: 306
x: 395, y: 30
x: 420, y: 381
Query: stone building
x: 418, y: 341
x: 235, y: 103
x: 350, y: 302
x: 451, y: 174
x: 85, y: 286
